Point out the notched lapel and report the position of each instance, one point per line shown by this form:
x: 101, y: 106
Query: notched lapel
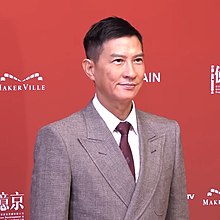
x: 110, y: 162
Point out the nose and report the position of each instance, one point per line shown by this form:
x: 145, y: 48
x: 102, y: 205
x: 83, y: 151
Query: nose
x: 130, y: 71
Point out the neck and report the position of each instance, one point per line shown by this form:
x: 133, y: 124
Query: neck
x: 120, y: 109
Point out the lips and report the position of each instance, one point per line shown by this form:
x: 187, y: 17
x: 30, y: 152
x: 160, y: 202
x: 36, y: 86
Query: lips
x: 127, y: 85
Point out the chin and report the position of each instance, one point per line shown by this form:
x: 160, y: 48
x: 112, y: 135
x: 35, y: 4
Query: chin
x: 126, y: 98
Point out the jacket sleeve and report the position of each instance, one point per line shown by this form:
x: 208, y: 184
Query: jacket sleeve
x: 178, y: 205
x: 51, y: 177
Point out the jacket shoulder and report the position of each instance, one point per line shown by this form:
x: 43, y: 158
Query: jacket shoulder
x: 157, y: 122
x: 70, y: 125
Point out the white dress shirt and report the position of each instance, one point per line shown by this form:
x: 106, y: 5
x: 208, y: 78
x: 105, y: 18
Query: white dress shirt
x: 112, y: 122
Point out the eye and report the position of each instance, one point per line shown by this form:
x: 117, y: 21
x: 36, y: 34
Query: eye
x: 139, y: 60
x: 118, y: 61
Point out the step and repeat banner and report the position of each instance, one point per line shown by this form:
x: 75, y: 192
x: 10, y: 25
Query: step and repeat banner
x: 41, y: 80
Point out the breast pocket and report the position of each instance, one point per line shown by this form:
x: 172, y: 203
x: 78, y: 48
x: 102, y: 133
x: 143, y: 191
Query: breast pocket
x: 160, y: 201
x: 159, y: 207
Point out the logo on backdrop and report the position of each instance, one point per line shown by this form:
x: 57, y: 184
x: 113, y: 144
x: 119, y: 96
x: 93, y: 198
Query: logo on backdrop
x: 215, y: 80
x: 213, y: 198
x: 190, y: 196
x: 152, y: 77
x: 11, y: 206
x: 9, y: 83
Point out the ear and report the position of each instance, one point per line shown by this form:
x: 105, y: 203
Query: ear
x: 88, y: 67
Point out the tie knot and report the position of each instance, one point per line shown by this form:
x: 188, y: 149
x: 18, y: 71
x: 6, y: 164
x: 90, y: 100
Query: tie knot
x: 123, y: 127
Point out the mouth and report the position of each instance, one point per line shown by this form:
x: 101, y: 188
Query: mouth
x: 127, y: 85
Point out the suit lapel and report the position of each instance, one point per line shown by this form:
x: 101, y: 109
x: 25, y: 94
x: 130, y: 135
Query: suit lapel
x: 151, y: 150
x: 105, y: 153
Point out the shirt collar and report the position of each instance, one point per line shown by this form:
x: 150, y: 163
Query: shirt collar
x: 111, y: 120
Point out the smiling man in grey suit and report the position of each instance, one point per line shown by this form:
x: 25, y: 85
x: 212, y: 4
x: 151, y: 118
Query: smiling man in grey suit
x: 81, y: 173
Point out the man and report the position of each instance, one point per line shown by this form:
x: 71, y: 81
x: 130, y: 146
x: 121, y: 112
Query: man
x: 86, y: 167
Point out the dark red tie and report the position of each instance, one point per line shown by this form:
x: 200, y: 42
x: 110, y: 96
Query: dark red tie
x: 123, y: 128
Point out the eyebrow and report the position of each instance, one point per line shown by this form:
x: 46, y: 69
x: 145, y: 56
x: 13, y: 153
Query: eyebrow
x: 123, y: 56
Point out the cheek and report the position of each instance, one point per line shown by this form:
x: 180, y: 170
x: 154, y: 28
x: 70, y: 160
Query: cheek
x: 113, y: 75
x: 141, y: 83
x: 140, y: 70
x: 140, y: 76
x: 105, y: 80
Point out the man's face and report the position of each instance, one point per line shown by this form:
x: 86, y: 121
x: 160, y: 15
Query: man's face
x: 118, y: 73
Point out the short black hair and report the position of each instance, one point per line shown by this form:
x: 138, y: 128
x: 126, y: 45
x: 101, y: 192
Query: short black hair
x: 104, y: 30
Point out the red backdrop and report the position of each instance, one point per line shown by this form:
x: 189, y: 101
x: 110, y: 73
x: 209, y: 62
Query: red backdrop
x: 181, y: 40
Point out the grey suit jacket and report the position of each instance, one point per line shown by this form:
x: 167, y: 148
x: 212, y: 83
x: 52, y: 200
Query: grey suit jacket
x: 80, y: 173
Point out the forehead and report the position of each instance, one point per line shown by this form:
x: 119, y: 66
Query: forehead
x: 122, y: 45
